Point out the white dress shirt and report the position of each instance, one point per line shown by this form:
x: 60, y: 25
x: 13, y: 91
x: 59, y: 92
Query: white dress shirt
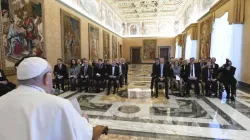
x: 28, y: 113
x: 113, y: 70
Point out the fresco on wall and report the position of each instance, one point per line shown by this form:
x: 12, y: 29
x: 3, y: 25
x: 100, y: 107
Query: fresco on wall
x: 21, y: 31
x: 71, y: 46
x: 93, y: 42
x: 114, y: 47
x: 106, y: 46
x: 205, y: 39
x: 149, y: 49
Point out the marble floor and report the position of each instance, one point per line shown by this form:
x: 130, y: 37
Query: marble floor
x: 133, y: 115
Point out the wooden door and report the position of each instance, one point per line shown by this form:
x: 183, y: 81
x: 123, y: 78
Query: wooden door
x: 164, y: 52
x: 136, y: 55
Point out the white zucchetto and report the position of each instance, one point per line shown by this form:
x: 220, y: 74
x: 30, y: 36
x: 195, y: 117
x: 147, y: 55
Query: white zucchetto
x: 31, y: 67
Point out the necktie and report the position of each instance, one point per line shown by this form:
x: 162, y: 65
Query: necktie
x: 192, y: 70
x: 161, y: 70
x: 85, y: 70
x: 113, y: 68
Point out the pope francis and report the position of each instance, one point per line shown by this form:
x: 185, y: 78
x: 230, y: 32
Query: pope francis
x: 28, y: 113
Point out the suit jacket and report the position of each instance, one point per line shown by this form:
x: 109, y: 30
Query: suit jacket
x: 125, y: 68
x: 228, y: 75
x: 154, y: 69
x: 3, y: 77
x: 166, y: 71
x: 183, y: 72
x: 205, y: 75
x: 89, y: 71
x: 216, y: 68
x: 63, y: 71
x: 116, y: 72
x: 197, y: 70
x: 100, y: 70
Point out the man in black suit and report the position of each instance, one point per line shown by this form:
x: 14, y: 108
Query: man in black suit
x: 99, y: 74
x: 5, y: 85
x: 210, y: 79
x: 154, y: 69
x: 184, y: 70
x: 214, y: 65
x: 193, y: 76
x: 113, y: 73
x: 125, y: 70
x: 86, y: 73
x: 107, y: 65
x: 60, y: 72
x: 228, y: 79
x: 121, y: 72
x: 161, y: 75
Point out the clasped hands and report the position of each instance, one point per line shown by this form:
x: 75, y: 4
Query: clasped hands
x: 192, y: 78
x: 161, y: 78
x: 84, y: 76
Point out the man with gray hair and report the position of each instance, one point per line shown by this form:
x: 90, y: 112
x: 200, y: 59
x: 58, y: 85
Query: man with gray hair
x: 28, y: 113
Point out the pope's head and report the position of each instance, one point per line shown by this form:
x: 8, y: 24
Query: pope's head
x: 35, y: 71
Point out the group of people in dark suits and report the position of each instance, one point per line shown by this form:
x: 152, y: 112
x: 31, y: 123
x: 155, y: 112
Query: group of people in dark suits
x: 206, y: 71
x: 81, y: 73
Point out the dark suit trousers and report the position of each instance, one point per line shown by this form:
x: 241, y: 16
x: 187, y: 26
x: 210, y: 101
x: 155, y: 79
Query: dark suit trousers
x: 232, y: 91
x: 121, y: 80
x: 99, y: 81
x: 126, y: 78
x: 196, y: 84
x: 152, y: 82
x: 211, y: 86
x: 114, y: 82
x: 58, y: 82
x: 165, y: 81
x: 84, y: 82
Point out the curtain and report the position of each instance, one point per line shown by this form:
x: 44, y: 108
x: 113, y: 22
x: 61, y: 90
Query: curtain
x: 226, y: 42
x: 191, y: 48
x: 178, y: 51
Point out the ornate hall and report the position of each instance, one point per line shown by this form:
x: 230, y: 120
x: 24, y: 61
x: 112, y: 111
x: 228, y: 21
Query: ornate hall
x: 131, y: 69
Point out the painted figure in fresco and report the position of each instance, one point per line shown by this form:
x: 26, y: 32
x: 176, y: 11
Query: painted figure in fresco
x: 205, y: 46
x: 16, y: 37
x: 31, y: 32
x: 6, y: 25
x: 149, y: 50
x: 133, y: 30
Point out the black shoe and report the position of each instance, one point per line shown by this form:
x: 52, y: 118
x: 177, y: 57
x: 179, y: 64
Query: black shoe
x: 167, y: 97
x: 227, y: 97
x: 108, y: 93
x: 198, y: 97
x: 156, y: 96
x: 232, y: 98
x: 114, y: 92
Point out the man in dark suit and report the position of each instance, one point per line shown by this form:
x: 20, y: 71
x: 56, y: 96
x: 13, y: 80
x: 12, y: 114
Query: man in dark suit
x: 154, y: 69
x: 107, y: 65
x: 86, y: 73
x: 5, y: 85
x: 161, y: 75
x: 193, y: 74
x: 121, y: 72
x: 214, y: 65
x: 60, y: 72
x: 184, y: 70
x: 125, y: 70
x: 99, y: 74
x: 210, y: 79
x: 113, y: 73
x: 228, y: 79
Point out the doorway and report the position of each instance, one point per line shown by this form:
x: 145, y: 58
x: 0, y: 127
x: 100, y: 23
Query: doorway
x: 135, y: 55
x: 164, y: 52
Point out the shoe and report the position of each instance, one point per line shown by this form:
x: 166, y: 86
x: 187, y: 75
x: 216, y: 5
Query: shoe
x: 232, y: 98
x: 114, y: 92
x: 227, y: 97
x: 167, y: 97
x: 198, y: 97
x: 108, y: 93
x: 156, y: 96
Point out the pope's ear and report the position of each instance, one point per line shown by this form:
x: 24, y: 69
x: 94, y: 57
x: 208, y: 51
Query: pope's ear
x: 46, y: 79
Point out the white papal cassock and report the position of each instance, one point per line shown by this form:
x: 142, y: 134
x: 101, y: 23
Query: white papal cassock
x: 28, y: 113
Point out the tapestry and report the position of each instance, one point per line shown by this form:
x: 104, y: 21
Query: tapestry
x: 205, y: 38
x: 71, y: 37
x: 106, y: 46
x: 93, y: 42
x: 114, y: 47
x: 149, y: 49
x: 21, y: 31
